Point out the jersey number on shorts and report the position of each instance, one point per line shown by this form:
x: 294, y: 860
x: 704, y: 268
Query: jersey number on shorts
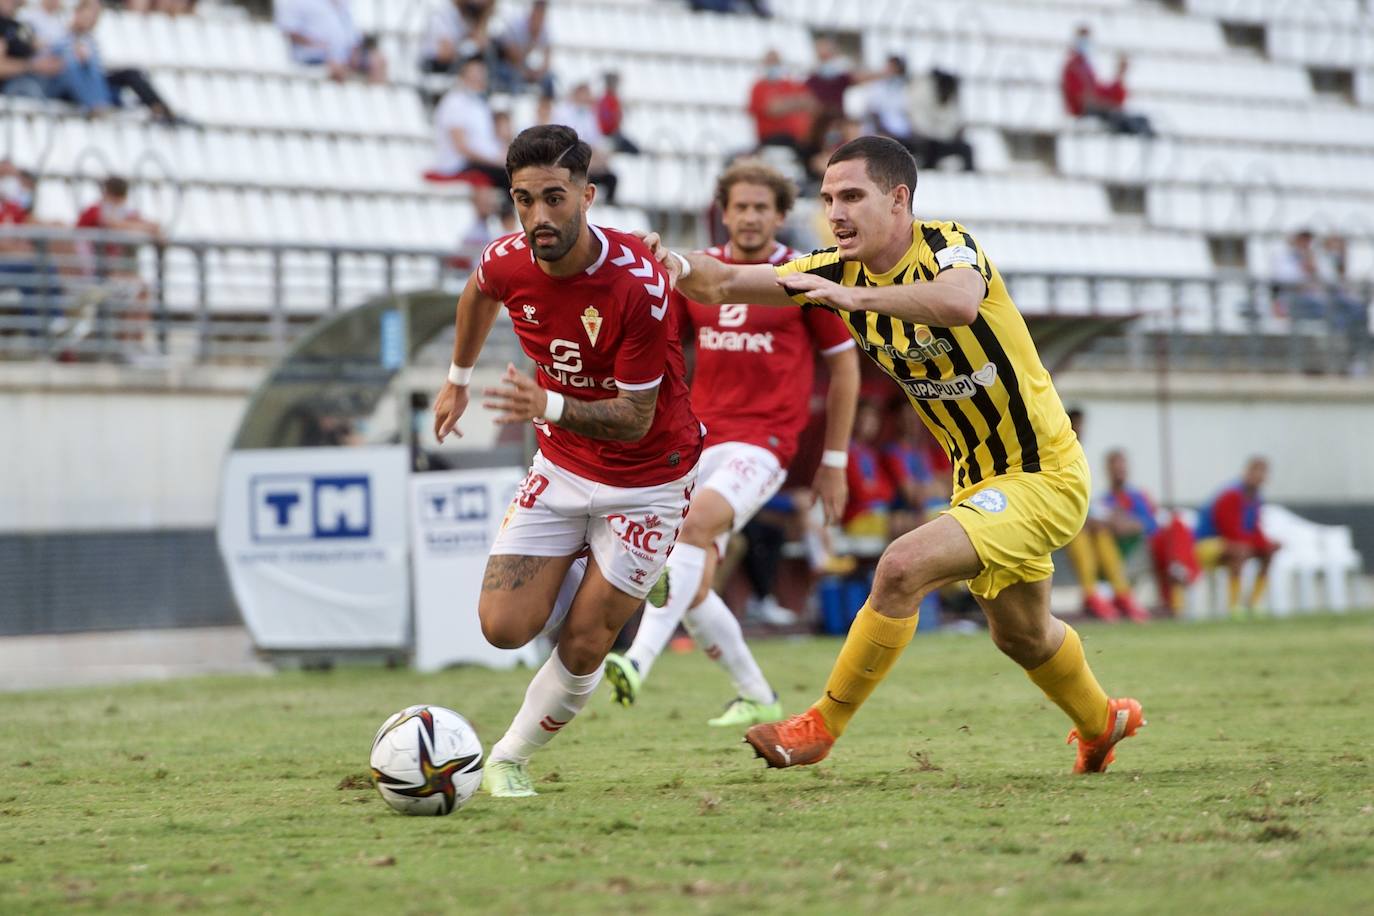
x: 529, y: 490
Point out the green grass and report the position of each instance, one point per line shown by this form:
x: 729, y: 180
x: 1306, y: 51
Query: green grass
x: 1252, y: 790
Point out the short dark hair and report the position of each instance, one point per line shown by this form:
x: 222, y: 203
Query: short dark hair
x: 886, y: 162
x: 756, y: 171
x: 550, y: 145
x: 114, y: 186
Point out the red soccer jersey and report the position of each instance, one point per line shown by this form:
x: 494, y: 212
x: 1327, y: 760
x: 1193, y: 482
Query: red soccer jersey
x: 755, y: 366
x: 592, y: 334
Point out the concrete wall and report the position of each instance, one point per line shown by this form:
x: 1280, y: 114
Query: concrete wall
x: 108, y: 448
x: 1317, y: 433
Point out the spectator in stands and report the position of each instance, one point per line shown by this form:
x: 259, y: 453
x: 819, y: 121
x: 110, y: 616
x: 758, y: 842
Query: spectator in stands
x: 1085, y: 95
x: 783, y: 108
x: 831, y: 78
x: 25, y: 69
x: 84, y: 79
x: 578, y: 111
x: 166, y: 7
x: 456, y: 31
x: 494, y: 217
x: 610, y: 116
x: 1229, y: 532
x: 1312, y: 285
x: 887, y: 102
x: 757, y: 7
x: 49, y: 21
x: 837, y: 133
x: 526, y: 43
x: 116, y: 263
x: 468, y: 146
x: 937, y: 125
x: 323, y: 32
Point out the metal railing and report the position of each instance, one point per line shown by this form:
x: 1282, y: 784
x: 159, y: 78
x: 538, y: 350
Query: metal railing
x: 91, y: 295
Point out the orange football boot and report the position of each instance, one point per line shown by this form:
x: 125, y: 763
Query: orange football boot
x: 1124, y: 718
x: 793, y: 742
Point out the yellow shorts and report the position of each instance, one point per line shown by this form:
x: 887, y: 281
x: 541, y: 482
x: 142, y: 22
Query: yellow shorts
x: 1017, y: 520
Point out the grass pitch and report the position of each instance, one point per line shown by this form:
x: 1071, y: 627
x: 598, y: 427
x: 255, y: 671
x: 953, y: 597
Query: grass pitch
x: 1252, y: 790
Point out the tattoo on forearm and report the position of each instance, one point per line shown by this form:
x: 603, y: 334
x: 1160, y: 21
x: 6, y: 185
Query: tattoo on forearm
x: 507, y: 573
x: 625, y: 418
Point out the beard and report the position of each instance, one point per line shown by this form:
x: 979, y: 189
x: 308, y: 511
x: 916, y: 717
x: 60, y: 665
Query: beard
x: 568, y: 234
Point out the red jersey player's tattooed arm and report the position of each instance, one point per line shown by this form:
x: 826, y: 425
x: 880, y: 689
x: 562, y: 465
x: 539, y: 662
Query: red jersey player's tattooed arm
x: 476, y: 313
x: 626, y: 417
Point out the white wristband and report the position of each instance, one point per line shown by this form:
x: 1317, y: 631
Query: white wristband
x: 459, y: 375
x: 686, y: 264
x: 553, y: 409
x: 834, y: 458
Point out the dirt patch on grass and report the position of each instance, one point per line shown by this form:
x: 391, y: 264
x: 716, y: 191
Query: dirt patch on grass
x: 355, y: 781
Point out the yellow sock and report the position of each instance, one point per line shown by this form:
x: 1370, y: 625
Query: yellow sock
x: 1113, y: 568
x: 1069, y: 682
x: 1232, y: 592
x: 1257, y: 591
x: 873, y: 646
x: 1084, y: 560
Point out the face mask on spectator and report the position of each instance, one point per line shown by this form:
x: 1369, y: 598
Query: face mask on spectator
x: 115, y: 211
x: 1083, y: 46
x: 773, y: 73
x: 11, y: 187
x: 833, y: 67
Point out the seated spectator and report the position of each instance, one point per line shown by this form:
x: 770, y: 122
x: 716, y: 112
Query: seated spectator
x: 837, y: 133
x: 1229, y: 532
x: 460, y: 30
x: 323, y: 32
x: 25, y: 68
x: 1312, y: 284
x: 937, y: 125
x: 25, y: 266
x: 49, y: 21
x: 783, y: 108
x: 526, y: 43
x: 906, y: 459
x: 831, y: 78
x: 578, y: 111
x: 166, y: 7
x: 1085, y: 96
x: 116, y: 263
x: 468, y: 146
x: 757, y: 7
x: 887, y: 102
x: 610, y: 116
x: 1094, y: 554
x: 1129, y: 513
x: 494, y: 217
x: 872, y: 492
x: 84, y: 79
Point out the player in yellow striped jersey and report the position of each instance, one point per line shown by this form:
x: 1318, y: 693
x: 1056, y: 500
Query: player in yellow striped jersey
x: 928, y: 306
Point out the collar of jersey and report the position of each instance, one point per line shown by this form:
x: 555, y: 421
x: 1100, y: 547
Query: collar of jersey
x: 902, y: 264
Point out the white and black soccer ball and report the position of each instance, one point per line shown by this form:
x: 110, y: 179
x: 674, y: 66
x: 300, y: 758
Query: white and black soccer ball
x: 426, y: 760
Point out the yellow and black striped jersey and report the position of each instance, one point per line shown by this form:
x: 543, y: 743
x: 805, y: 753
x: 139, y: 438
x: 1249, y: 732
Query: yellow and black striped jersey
x: 981, y: 389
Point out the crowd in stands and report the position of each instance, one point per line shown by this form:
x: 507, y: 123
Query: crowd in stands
x: 50, y: 52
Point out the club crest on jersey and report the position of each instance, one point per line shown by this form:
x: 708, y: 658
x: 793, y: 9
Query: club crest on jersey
x: 529, y: 314
x: 989, y: 500
x: 652, y: 521
x: 591, y: 323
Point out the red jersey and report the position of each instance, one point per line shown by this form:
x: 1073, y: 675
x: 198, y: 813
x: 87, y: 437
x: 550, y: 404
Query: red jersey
x: 796, y: 124
x: 592, y: 334
x: 754, y: 366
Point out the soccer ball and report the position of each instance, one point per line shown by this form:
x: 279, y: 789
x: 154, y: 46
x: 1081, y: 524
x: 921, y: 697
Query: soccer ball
x: 426, y: 760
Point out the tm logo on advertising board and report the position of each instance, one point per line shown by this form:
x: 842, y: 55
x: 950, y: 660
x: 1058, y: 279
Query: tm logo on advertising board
x: 302, y: 507
x: 458, y: 503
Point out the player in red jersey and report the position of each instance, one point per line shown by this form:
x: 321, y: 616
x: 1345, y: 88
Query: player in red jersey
x: 618, y: 443
x: 751, y: 388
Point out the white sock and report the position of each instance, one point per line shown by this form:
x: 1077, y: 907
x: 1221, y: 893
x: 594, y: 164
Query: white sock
x: 554, y: 697
x: 686, y: 565
x: 717, y: 631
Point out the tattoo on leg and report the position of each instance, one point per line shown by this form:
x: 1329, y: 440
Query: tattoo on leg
x: 507, y: 573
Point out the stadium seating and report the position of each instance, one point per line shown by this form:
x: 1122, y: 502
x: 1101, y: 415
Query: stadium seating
x: 1250, y: 146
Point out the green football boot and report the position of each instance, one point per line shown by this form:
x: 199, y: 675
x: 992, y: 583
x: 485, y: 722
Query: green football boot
x: 623, y: 677
x: 507, y: 779
x: 742, y: 712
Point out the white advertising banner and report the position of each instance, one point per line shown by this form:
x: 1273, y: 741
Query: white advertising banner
x: 315, y: 543
x: 455, y: 516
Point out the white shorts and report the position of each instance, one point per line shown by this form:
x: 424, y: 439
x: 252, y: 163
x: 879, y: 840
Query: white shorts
x: 630, y: 530
x: 746, y: 475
